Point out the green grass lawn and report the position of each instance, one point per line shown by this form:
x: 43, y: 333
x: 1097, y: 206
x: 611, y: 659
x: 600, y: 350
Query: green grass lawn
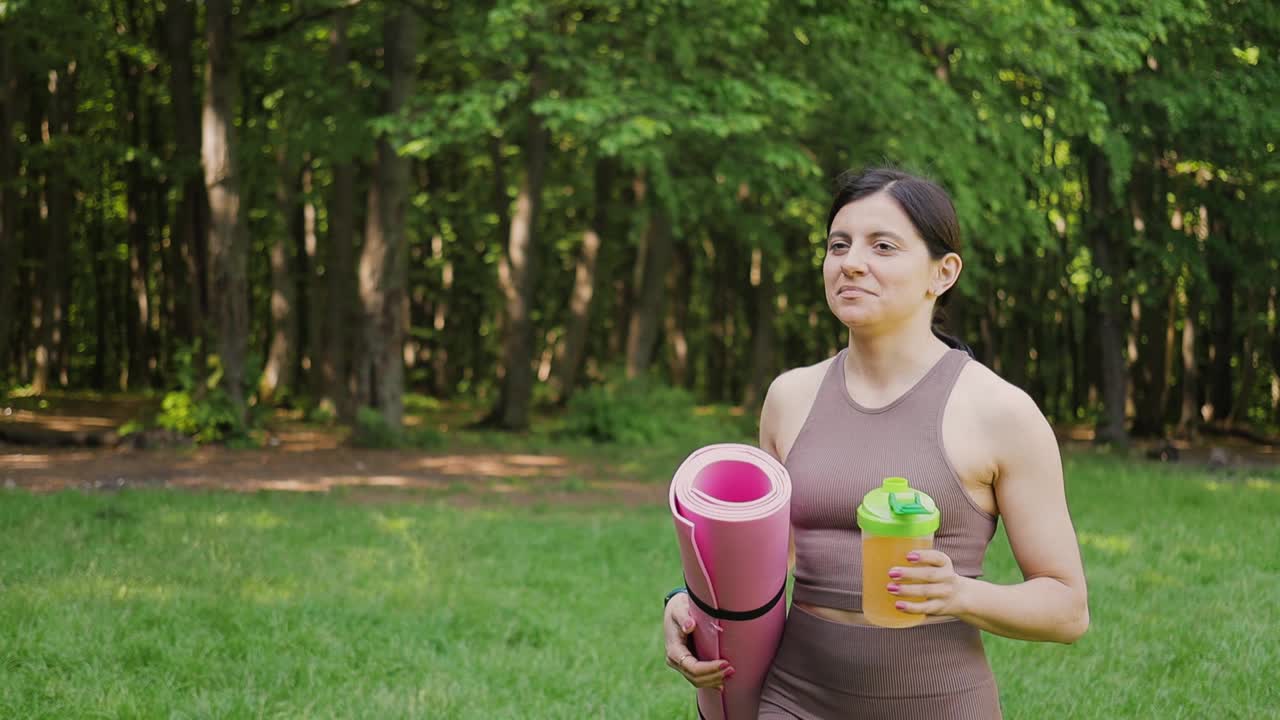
x: 181, y: 605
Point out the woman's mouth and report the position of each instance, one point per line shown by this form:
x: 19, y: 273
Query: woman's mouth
x: 849, y: 292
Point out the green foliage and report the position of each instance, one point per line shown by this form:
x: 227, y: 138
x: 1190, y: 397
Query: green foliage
x: 204, y: 412
x: 419, y: 403
x: 642, y: 411
x: 208, y: 419
x: 732, y: 117
x: 131, y: 427
x: 373, y: 431
x: 321, y: 414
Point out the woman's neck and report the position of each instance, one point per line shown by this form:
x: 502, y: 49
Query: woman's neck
x: 891, y: 359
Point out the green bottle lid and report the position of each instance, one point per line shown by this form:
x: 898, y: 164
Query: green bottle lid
x: 896, y: 510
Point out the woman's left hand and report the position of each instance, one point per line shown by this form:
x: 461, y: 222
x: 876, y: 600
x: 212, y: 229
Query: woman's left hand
x: 927, y: 584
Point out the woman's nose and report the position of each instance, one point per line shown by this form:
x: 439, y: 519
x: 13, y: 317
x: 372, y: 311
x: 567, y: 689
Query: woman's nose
x: 854, y: 262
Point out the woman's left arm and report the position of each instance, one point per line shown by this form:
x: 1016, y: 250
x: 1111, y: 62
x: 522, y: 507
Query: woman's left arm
x: 1051, y: 603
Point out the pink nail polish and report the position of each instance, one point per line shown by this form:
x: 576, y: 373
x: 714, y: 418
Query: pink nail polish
x: 900, y: 605
x: 893, y: 587
x: 913, y: 556
x: 895, y: 573
x: 728, y: 673
x: 724, y: 665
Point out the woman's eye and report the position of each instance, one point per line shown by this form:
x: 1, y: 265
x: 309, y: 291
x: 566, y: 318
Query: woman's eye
x: 884, y: 246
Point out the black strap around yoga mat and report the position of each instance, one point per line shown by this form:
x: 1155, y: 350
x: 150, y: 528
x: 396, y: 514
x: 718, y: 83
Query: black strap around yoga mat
x: 732, y: 615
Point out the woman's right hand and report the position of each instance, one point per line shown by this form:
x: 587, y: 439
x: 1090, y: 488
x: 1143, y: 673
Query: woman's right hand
x: 677, y: 624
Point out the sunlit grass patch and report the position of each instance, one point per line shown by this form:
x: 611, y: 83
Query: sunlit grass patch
x: 165, y: 604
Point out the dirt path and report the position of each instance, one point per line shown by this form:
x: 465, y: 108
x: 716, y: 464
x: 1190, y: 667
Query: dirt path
x: 312, y: 461
x: 304, y: 459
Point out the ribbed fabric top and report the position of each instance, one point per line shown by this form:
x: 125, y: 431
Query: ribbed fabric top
x: 844, y: 450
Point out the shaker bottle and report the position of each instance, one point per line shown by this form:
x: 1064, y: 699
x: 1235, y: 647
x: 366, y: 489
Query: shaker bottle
x: 895, y: 519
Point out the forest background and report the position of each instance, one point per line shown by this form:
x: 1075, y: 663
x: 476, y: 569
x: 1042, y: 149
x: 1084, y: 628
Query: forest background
x: 323, y: 205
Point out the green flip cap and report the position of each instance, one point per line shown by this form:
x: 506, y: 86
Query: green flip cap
x: 896, y: 510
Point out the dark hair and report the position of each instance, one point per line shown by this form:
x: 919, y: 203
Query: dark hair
x: 928, y: 207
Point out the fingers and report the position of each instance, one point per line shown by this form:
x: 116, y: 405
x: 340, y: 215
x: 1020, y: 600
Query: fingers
x: 929, y: 557
x: 699, y: 673
x: 683, y: 619
x: 679, y: 621
x: 912, y: 591
x: 926, y: 607
x: 679, y: 657
x: 923, y: 566
x: 920, y: 574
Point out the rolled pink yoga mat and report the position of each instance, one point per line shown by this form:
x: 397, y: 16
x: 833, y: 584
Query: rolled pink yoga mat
x: 732, y: 510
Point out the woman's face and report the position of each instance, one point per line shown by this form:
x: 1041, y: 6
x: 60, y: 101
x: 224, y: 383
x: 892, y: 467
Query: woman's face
x: 877, y: 272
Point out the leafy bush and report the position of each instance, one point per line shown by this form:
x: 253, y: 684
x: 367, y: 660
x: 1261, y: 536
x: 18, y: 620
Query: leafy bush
x: 373, y: 431
x: 322, y: 413
x: 212, y: 418
x: 131, y: 427
x: 638, y: 412
x: 203, y: 411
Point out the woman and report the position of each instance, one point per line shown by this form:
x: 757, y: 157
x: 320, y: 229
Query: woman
x: 901, y: 399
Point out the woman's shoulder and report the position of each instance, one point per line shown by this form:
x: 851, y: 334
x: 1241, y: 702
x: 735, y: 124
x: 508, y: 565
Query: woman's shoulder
x: 996, y: 403
x: 799, y: 379
x: 787, y: 404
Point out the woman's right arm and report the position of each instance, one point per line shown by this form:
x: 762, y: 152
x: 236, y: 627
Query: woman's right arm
x: 769, y: 421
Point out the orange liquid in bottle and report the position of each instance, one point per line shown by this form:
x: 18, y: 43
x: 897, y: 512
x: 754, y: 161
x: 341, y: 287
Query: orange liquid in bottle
x: 879, y: 554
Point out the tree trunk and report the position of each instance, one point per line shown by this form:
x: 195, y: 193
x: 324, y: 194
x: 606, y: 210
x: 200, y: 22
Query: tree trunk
x: 10, y: 247
x: 169, y: 283
x: 987, y: 330
x: 441, y: 382
x: 585, y: 282
x: 188, y: 231
x: 51, y: 352
x: 1109, y: 320
x: 1248, y: 359
x: 341, y: 320
x: 1085, y: 358
x: 101, y: 293
x: 311, y: 301
x: 646, y: 312
x: 1152, y: 372
x: 384, y: 261
x: 1013, y: 352
x: 277, y: 374
x: 135, y: 216
x: 1154, y: 328
x: 718, y: 345
x: 42, y: 285
x: 517, y: 274
x: 1189, y: 418
x: 1222, y: 275
x: 228, y: 242
x: 1064, y: 349
x: 762, y: 332
x: 627, y: 271
x: 680, y: 285
x: 1274, y: 333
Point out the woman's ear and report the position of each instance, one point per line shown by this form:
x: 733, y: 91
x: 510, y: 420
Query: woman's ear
x: 946, y: 272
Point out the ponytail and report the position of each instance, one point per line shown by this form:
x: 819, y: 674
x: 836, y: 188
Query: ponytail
x: 953, y: 342
x: 939, y: 317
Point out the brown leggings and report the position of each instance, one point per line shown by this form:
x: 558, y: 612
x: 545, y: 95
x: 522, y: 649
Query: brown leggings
x: 826, y: 670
